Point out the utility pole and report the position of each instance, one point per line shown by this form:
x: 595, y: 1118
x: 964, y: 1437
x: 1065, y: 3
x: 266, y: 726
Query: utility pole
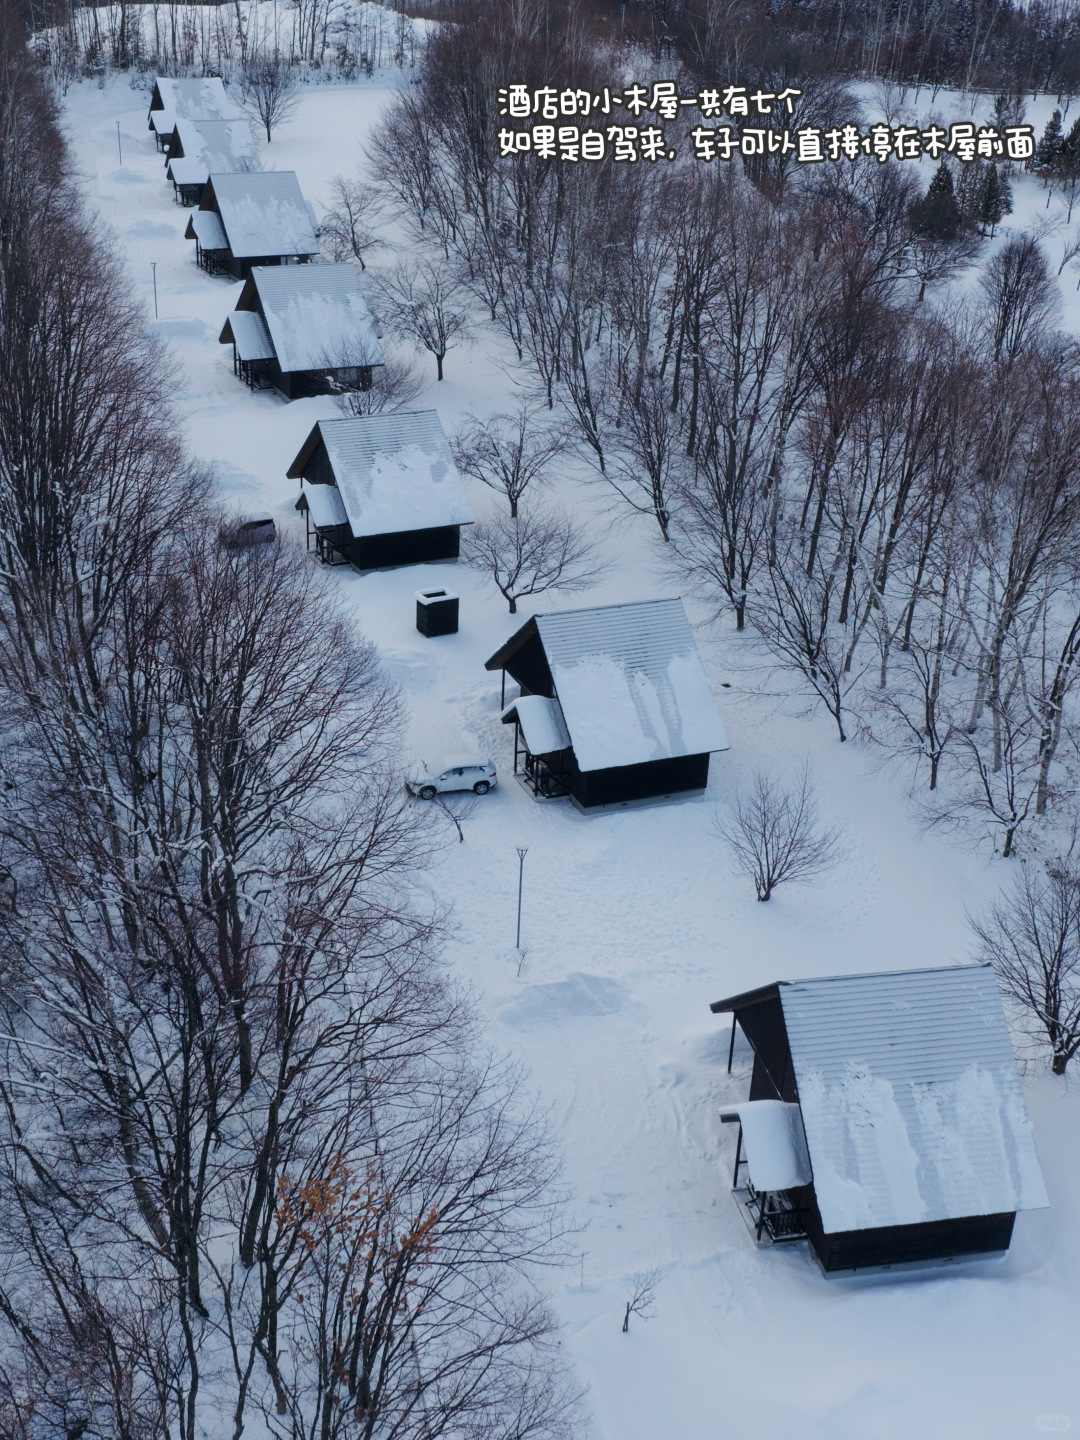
x: 522, y: 851
x: 153, y: 267
x: 119, y: 149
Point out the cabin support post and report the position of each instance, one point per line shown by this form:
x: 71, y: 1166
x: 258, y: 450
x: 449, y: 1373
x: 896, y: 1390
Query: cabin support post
x: 738, y: 1160
x: 502, y: 693
x: 731, y: 1047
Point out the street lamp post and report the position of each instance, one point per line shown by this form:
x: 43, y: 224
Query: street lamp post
x: 153, y: 267
x: 119, y: 149
x: 522, y: 851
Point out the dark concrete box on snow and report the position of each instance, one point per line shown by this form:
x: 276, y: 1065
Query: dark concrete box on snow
x: 436, y: 612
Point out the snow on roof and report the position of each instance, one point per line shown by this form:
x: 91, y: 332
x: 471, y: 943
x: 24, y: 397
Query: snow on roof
x: 395, y: 472
x: 247, y: 330
x: 542, y: 724
x: 212, y: 146
x: 317, y: 316
x: 324, y: 504
x: 910, y: 1099
x: 264, y: 214
x: 774, y: 1143
x: 631, y: 683
x: 206, y: 227
x: 203, y: 99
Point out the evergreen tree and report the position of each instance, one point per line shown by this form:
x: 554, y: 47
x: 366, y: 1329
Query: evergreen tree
x: 942, y: 182
x: 1049, y: 147
x: 969, y: 187
x: 994, y: 198
x: 1068, y: 159
x: 937, y: 216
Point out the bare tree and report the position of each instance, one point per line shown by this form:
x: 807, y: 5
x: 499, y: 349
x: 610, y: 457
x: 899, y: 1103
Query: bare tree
x: 531, y: 552
x: 457, y: 808
x: 776, y: 835
x: 934, y: 260
x: 1020, y: 299
x: 394, y: 386
x: 508, y: 452
x: 646, y: 449
x: 269, y: 88
x: 642, y: 1296
x: 410, y: 1314
x: 1032, y: 938
x: 346, y: 232
x: 427, y: 304
x: 795, y: 614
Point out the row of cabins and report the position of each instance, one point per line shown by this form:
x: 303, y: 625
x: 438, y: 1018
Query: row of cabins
x: 613, y: 703
x: 299, y: 327
x: 885, y: 1124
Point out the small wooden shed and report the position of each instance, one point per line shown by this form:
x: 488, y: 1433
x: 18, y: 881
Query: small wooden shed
x: 186, y: 99
x: 615, y: 707
x: 252, y: 219
x: 196, y: 149
x: 885, y: 1122
x: 303, y: 329
x: 382, y: 490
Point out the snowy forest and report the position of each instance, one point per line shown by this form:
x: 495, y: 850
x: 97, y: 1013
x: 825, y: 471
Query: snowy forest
x: 262, y: 1168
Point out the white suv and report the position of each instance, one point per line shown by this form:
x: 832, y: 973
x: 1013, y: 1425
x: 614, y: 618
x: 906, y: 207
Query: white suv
x: 475, y: 775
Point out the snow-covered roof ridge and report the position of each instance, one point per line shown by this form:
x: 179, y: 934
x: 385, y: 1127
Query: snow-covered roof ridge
x: 910, y: 1097
x: 631, y: 683
x: 190, y: 99
x: 209, y: 146
x: 317, y: 315
x: 263, y: 213
x: 394, y: 472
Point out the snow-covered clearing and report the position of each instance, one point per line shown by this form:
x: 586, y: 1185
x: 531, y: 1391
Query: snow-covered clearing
x: 634, y: 923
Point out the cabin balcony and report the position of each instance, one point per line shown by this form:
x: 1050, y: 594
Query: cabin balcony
x: 773, y: 1217
x: 537, y: 776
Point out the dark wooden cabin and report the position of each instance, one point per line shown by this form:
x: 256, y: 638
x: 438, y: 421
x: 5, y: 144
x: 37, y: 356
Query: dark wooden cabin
x: 186, y: 99
x: 382, y: 490
x: 304, y: 330
x: 885, y: 1122
x: 615, y: 707
x: 197, y: 149
x: 251, y: 219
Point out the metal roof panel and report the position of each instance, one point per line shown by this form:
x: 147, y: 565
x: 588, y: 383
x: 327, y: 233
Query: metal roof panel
x: 395, y: 472
x: 631, y: 683
x: 910, y: 1098
x: 317, y: 315
x: 264, y: 213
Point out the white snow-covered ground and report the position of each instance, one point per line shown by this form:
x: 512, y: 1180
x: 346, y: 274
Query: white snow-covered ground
x: 634, y: 923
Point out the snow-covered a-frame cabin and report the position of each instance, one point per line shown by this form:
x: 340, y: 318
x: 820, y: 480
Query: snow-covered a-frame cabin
x: 382, y: 490
x: 252, y: 219
x: 303, y: 329
x: 615, y: 706
x: 196, y: 149
x: 173, y: 100
x: 885, y: 1122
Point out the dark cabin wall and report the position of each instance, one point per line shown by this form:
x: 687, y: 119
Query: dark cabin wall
x: 303, y: 384
x: 774, y: 1074
x: 529, y: 667
x: 623, y: 783
x: 406, y: 547
x: 317, y: 468
x: 908, y: 1244
x: 240, y: 266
